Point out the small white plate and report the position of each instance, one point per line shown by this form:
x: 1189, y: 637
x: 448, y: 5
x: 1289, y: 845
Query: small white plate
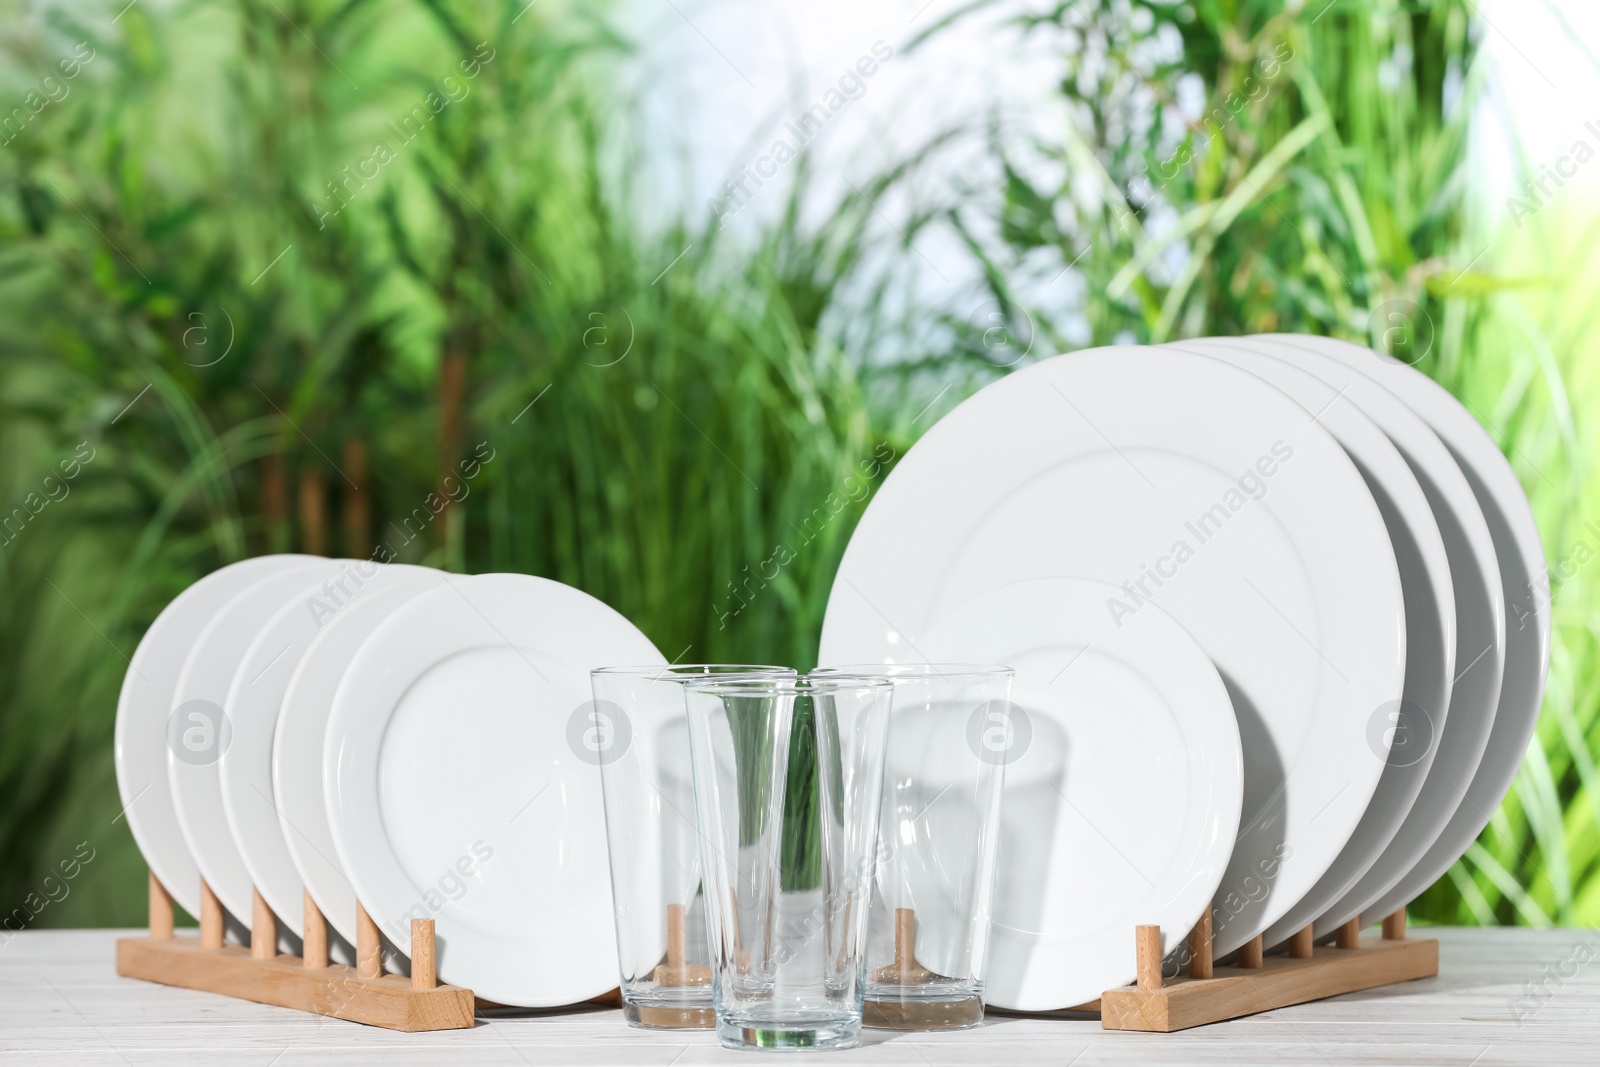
x: 1480, y: 624
x: 203, y: 727
x: 145, y: 707
x: 1114, y: 723
x: 1430, y: 619
x: 249, y: 801
x: 459, y: 789
x: 1524, y: 584
x: 1200, y: 488
x: 297, y: 742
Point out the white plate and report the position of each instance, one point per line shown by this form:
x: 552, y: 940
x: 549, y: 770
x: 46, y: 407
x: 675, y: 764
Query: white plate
x: 456, y: 791
x: 144, y: 709
x: 1525, y: 585
x: 1119, y: 720
x: 1480, y: 624
x: 1100, y: 465
x: 297, y: 742
x: 249, y: 802
x: 201, y: 736
x: 1430, y: 619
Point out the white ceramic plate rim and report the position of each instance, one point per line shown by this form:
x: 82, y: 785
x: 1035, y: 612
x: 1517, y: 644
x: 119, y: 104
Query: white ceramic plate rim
x: 580, y: 957
x: 1524, y: 584
x: 208, y: 674
x: 297, y: 742
x: 143, y: 707
x: 1156, y: 646
x: 1430, y: 611
x: 1475, y: 572
x: 254, y: 703
x: 905, y: 539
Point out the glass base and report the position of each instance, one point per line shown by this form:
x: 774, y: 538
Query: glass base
x: 956, y: 1013
x: 669, y: 1016
x: 790, y: 1037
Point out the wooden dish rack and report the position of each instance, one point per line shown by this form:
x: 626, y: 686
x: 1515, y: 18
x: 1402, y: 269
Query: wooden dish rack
x: 1255, y: 982
x: 362, y: 994
x: 1207, y: 993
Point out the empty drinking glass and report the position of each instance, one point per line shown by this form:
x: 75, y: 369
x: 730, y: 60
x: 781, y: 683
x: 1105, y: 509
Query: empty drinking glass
x: 636, y: 731
x: 788, y: 777
x: 928, y: 931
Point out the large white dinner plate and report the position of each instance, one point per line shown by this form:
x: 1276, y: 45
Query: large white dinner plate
x: 1198, y: 487
x: 1480, y: 623
x: 1525, y: 585
x: 249, y: 800
x: 297, y: 741
x: 458, y: 787
x: 145, y: 708
x: 1430, y: 620
x: 204, y: 725
x: 1111, y: 724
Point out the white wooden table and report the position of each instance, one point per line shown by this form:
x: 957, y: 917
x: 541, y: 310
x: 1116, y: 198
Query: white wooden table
x: 1525, y: 997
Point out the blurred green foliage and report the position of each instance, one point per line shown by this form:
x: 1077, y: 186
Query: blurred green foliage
x: 281, y: 267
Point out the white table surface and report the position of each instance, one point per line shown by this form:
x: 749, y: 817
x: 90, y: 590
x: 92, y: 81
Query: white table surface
x: 61, y: 1001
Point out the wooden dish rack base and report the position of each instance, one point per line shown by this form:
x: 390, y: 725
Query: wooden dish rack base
x: 362, y: 993
x: 1257, y: 983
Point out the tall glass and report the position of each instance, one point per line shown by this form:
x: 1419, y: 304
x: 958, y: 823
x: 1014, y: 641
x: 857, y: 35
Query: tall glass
x: 636, y: 731
x: 788, y: 777
x: 928, y: 930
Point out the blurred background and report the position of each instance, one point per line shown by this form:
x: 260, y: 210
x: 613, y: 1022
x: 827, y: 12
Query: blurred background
x: 668, y: 274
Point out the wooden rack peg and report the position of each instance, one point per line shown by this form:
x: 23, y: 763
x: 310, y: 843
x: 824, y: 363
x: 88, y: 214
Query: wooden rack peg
x: 210, y: 917
x: 263, y: 928
x: 423, y: 975
x: 1147, y: 956
x: 314, y: 934
x: 1300, y: 944
x: 1200, y: 947
x: 160, y: 910
x: 369, y: 950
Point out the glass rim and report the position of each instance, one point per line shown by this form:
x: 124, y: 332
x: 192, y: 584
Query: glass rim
x: 894, y: 672
x: 696, y: 670
x: 787, y: 685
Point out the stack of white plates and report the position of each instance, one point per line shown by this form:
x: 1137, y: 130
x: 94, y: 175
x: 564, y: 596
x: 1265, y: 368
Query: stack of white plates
x: 1256, y: 594
x: 390, y: 734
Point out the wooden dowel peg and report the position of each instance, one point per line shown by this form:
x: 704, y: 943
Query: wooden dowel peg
x: 263, y: 928
x: 1300, y: 944
x: 1200, y: 947
x: 423, y: 973
x: 314, y: 934
x: 210, y: 917
x: 160, y: 910
x: 905, y: 970
x: 677, y: 970
x: 1251, y: 952
x: 1349, y: 935
x: 1394, y: 926
x: 1147, y: 942
x: 677, y: 937
x: 905, y: 939
x: 369, y: 961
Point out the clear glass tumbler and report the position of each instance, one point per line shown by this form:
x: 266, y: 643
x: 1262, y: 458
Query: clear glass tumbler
x: 636, y: 731
x: 939, y: 835
x: 788, y: 778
